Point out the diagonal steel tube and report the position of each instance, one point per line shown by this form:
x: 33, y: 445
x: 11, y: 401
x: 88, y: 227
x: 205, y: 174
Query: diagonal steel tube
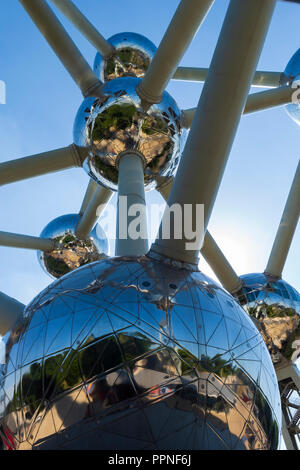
x: 183, y: 27
x: 93, y: 211
x: 131, y: 197
x: 216, y: 120
x: 11, y: 310
x: 213, y: 254
x: 255, y: 102
x: 63, y: 46
x: 286, y: 229
x: 75, y: 16
x: 40, y: 164
x: 220, y: 265
x: 199, y: 74
x: 90, y: 191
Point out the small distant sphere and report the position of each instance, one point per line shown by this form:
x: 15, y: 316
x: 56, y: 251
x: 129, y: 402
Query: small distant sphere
x: 136, y: 353
x: 120, y: 124
x: 132, y: 58
x: 71, y: 252
x: 292, y: 75
x: 276, y: 306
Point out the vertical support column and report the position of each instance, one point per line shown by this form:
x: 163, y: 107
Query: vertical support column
x: 288, y: 440
x: 131, y: 236
x: 286, y: 229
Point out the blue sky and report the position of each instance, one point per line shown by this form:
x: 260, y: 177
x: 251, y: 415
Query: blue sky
x: 42, y: 101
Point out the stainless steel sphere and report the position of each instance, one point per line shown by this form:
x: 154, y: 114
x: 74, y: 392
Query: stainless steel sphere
x: 120, y: 124
x: 276, y: 306
x: 71, y: 252
x: 132, y: 353
x: 133, y: 54
x: 289, y: 76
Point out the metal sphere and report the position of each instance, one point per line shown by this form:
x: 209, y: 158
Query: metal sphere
x: 131, y: 353
x: 133, y: 54
x: 290, y: 76
x: 71, y: 252
x: 276, y: 306
x: 120, y: 124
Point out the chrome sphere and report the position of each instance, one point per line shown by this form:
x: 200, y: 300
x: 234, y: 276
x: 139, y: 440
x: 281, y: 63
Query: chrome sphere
x: 120, y: 124
x: 290, y: 76
x: 131, y: 353
x: 132, y: 57
x: 276, y: 306
x: 71, y: 252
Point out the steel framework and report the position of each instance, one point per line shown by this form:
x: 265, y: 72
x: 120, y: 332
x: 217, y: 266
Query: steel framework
x: 197, y: 179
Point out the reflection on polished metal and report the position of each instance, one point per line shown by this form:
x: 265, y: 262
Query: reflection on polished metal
x: 137, y: 354
x: 11, y: 311
x: 119, y: 124
x: 132, y: 57
x: 289, y: 77
x: 276, y: 306
x: 71, y: 252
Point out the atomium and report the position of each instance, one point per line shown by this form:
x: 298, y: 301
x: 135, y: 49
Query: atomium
x: 132, y: 57
x: 291, y: 77
x: 71, y: 252
x: 276, y: 306
x: 135, y: 353
x: 118, y: 124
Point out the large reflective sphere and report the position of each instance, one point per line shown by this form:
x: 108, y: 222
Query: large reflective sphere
x: 132, y: 58
x: 137, y: 354
x: 120, y: 124
x: 71, y: 252
x: 292, y: 75
x: 276, y: 306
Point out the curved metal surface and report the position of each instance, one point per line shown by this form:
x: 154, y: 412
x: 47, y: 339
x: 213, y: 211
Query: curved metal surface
x: 120, y: 124
x: 132, y: 57
x: 132, y: 353
x: 71, y: 252
x: 276, y: 306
